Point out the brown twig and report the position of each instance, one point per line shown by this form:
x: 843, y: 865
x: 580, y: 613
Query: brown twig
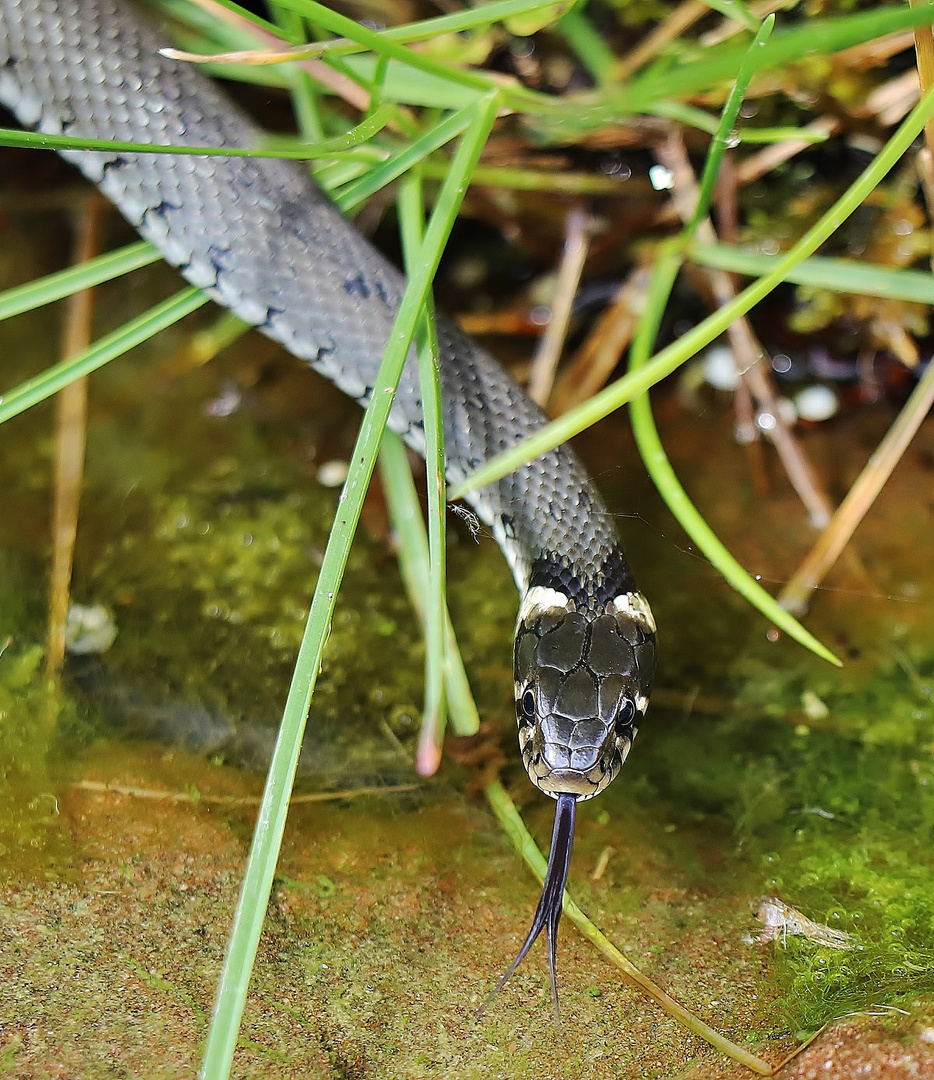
x: 924, y: 52
x: 683, y: 16
x: 342, y: 85
x: 889, y: 103
x: 71, y: 425
x: 235, y: 800
x: 545, y: 363
x: 744, y: 409
x: 603, y: 347
x: 746, y: 349
x: 859, y: 499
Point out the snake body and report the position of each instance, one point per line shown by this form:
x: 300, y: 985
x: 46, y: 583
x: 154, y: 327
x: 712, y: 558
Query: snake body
x: 264, y: 241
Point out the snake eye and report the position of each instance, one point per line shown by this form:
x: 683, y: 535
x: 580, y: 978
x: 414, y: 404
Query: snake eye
x: 625, y: 716
x: 527, y: 704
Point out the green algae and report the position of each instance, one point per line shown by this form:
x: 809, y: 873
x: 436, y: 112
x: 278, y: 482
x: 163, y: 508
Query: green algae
x: 31, y: 707
x: 826, y: 783
x: 210, y: 590
x: 854, y: 850
x: 202, y: 539
x: 28, y: 803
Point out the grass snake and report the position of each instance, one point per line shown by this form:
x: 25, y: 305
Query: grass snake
x: 264, y: 241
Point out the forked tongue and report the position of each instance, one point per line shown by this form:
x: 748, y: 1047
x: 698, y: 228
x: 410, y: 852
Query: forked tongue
x: 550, y: 904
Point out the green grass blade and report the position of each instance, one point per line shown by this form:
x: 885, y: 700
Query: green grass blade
x: 691, y: 116
x: 270, y: 147
x: 333, y: 176
x: 640, y: 409
x: 65, y: 282
x: 207, y: 21
x: 384, y: 46
x: 411, y: 212
x: 667, y: 80
x: 305, y: 103
x: 456, y: 23
x: 752, y: 135
x: 787, y: 46
x: 836, y: 275
x: 663, y: 475
x: 101, y: 352
x: 254, y: 896
x: 405, y: 512
x: 590, y: 47
x: 693, y: 523
x: 737, y: 11
x: 205, y: 344
x: 688, y: 115
x: 566, y: 183
x: 724, y: 134
x: 370, y: 125
x: 405, y: 85
x: 442, y: 133
x: 671, y: 357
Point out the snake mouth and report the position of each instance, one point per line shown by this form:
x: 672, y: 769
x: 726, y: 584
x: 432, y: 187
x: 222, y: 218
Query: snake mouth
x: 570, y: 758
x: 569, y: 782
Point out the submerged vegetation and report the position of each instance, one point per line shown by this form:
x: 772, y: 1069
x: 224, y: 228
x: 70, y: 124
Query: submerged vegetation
x: 675, y: 151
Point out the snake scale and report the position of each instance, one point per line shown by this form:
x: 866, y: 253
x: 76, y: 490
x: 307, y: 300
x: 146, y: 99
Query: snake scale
x: 264, y: 241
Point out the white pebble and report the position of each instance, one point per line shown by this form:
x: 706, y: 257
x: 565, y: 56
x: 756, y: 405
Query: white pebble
x: 332, y: 473
x: 816, y: 403
x: 89, y: 629
x: 720, y: 368
x: 661, y: 178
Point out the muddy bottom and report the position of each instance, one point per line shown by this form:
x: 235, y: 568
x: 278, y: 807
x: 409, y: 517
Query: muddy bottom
x: 761, y: 773
x: 390, y: 920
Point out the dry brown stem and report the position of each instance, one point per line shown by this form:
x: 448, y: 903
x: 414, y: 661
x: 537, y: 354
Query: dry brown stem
x: 71, y: 428
x: 746, y: 348
x: 576, y: 246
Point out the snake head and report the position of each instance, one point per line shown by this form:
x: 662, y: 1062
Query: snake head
x: 582, y: 685
x: 584, y: 664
